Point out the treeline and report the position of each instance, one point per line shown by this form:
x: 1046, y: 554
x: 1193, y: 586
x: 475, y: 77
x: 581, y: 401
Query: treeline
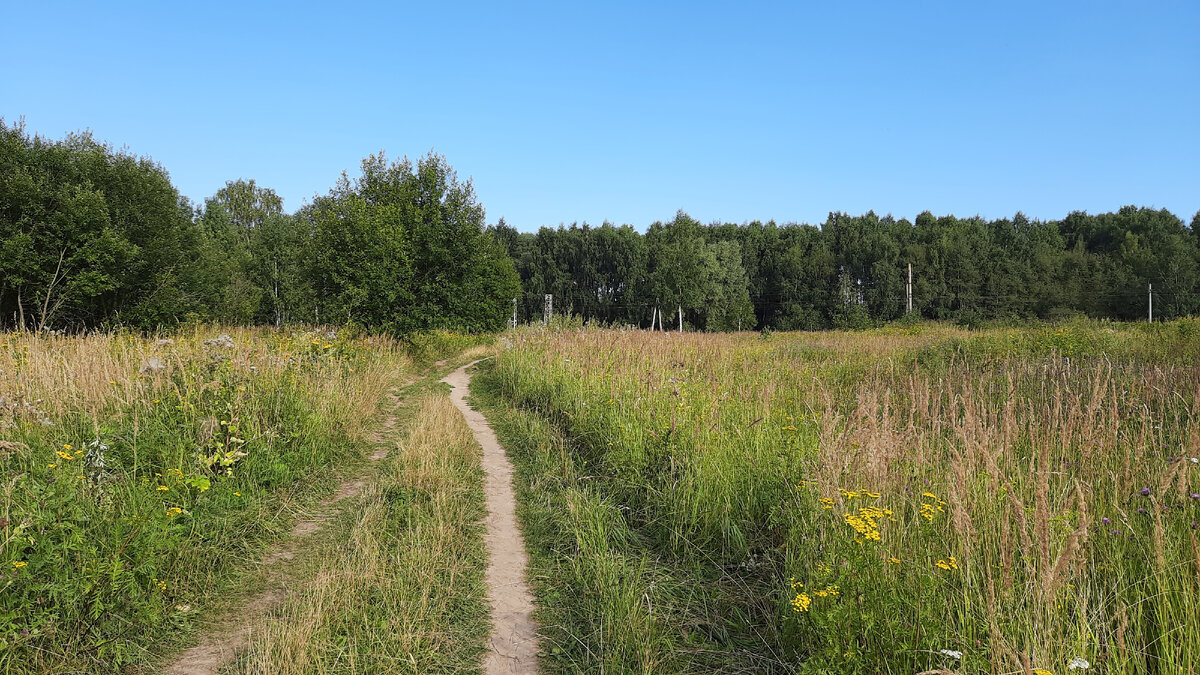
x: 93, y: 237
x: 851, y: 272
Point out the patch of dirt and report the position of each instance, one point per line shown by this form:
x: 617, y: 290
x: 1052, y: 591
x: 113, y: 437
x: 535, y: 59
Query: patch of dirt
x: 222, y: 645
x: 514, y: 634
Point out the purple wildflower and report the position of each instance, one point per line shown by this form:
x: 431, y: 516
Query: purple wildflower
x: 1106, y: 521
x: 1145, y: 492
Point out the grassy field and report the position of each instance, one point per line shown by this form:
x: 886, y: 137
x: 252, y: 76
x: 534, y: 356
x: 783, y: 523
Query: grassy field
x: 910, y: 499
x: 143, y: 478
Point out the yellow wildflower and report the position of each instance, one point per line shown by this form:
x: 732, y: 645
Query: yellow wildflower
x: 18, y: 564
x: 162, y: 488
x: 174, y: 511
x: 872, y: 495
x: 826, y: 502
x: 64, y: 455
x: 67, y: 446
x: 894, y: 560
x: 801, y: 602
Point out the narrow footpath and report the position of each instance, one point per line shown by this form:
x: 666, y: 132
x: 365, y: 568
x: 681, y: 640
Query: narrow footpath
x: 514, y: 634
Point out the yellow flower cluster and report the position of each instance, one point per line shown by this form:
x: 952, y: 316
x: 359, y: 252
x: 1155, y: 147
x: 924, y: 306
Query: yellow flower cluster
x: 930, y: 509
x: 802, y: 601
x: 866, y: 521
x: 826, y: 502
x: 949, y: 564
x: 174, y: 511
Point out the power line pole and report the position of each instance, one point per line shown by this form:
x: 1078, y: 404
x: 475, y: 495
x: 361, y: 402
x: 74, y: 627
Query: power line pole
x: 549, y: 311
x: 514, y: 319
x: 1149, y: 302
x: 909, y: 288
x: 680, y: 318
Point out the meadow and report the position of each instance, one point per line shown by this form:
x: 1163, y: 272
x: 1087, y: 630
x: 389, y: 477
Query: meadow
x: 144, y: 477
x: 907, y: 499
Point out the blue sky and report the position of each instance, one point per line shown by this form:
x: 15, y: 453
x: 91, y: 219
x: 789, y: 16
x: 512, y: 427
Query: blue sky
x: 628, y: 111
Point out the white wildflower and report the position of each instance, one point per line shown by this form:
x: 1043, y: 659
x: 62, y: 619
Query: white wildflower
x: 1078, y: 663
x: 952, y: 653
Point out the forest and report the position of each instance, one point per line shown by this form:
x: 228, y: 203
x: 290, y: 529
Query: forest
x: 95, y: 237
x: 851, y: 271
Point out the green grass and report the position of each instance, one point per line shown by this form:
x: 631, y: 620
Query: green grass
x: 169, y: 482
x: 398, y: 587
x: 856, y: 503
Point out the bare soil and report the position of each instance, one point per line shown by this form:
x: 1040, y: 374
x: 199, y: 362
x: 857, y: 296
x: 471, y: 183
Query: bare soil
x: 514, y: 644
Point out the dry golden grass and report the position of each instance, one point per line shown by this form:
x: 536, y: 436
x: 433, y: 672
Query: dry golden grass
x: 402, y: 590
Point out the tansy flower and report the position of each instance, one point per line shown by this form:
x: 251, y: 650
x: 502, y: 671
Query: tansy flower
x: 174, y: 511
x: 801, y: 602
x: 18, y: 564
x: 67, y: 446
x: 162, y: 488
x: 237, y: 494
x: 64, y: 455
x: 894, y: 561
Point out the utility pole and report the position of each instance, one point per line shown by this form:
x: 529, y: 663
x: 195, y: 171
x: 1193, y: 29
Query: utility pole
x: 514, y: 319
x: 1149, y: 302
x: 653, y: 316
x: 549, y: 311
x: 909, y: 288
x: 680, y: 318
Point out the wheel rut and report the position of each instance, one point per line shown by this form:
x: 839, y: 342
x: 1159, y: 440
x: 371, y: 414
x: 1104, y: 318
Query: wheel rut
x: 221, y: 644
x: 514, y: 634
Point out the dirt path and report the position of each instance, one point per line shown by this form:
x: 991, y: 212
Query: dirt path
x: 514, y: 634
x: 220, y: 645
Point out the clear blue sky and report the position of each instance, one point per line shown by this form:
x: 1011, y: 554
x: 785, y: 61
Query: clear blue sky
x: 628, y: 111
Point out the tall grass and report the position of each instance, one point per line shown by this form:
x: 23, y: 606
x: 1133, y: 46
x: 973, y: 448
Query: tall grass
x: 403, y: 591
x: 141, y: 475
x: 861, y: 502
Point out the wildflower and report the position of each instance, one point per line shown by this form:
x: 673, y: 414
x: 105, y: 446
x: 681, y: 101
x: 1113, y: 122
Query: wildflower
x: 237, y: 494
x: 64, y: 455
x: 162, y: 488
x: 67, y: 446
x: 1194, y: 460
x: 952, y: 653
x: 174, y: 511
x: 1195, y: 495
x: 893, y: 560
x: 18, y: 564
x: 1145, y: 492
x: 51, y: 465
x: 826, y: 502
x: 928, y: 494
x: 950, y: 563
x: 1079, y: 663
x: 1106, y: 521
x: 872, y: 495
x: 801, y: 602
x: 1042, y: 671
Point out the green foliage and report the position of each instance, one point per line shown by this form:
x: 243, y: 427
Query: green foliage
x: 402, y: 248
x: 87, y: 234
